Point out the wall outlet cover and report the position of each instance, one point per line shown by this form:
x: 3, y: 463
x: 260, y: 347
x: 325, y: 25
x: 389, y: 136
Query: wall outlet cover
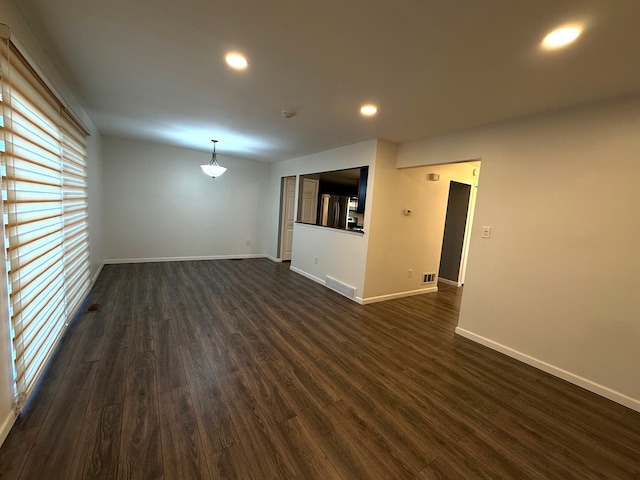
x: 428, y: 278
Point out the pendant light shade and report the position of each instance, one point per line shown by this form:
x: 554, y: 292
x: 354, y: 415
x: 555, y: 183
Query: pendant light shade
x: 213, y: 169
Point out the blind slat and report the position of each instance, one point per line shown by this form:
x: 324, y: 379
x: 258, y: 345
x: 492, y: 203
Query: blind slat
x: 45, y: 215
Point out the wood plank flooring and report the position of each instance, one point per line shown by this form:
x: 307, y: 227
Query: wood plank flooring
x: 245, y: 370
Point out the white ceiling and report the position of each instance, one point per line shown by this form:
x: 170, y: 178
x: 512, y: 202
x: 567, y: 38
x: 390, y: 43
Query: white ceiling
x: 154, y: 69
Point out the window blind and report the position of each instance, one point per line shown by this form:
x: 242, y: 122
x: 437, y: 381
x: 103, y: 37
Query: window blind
x: 45, y: 213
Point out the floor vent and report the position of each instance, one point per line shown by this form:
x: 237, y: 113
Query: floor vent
x: 428, y: 278
x: 342, y: 288
x: 94, y: 307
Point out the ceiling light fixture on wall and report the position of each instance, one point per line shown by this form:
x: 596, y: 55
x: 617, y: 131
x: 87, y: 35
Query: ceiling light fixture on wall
x: 213, y: 169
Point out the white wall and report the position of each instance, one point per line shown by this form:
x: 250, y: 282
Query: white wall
x: 159, y: 204
x: 94, y: 173
x: 399, y: 242
x: 28, y: 43
x: 341, y: 255
x: 556, y: 285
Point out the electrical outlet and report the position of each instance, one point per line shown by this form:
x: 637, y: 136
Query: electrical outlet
x: 410, y: 273
x: 315, y: 260
x: 247, y: 243
x: 486, y: 232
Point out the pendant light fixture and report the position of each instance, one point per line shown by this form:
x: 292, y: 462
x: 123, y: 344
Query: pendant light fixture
x: 213, y: 169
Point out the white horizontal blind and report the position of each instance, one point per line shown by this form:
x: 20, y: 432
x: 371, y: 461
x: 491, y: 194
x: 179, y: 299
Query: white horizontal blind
x: 75, y: 214
x: 45, y: 217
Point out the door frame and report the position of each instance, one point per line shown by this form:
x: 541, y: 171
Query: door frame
x: 464, y: 254
x: 467, y: 234
x: 449, y: 215
x: 282, y: 221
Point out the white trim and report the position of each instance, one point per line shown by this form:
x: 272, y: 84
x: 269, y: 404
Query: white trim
x: 585, y: 383
x: 365, y: 301
x: 284, y: 211
x: 274, y: 259
x: 359, y: 233
x: 6, y: 425
x: 449, y: 282
x: 473, y: 195
x: 95, y: 277
x: 391, y: 296
x: 323, y: 283
x: 183, y: 259
x: 307, y: 275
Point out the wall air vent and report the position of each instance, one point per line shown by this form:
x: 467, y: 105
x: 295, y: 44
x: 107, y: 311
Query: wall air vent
x: 428, y: 278
x: 341, y: 288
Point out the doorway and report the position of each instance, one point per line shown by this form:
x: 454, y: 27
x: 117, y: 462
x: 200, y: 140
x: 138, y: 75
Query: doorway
x: 287, y: 211
x: 456, y: 227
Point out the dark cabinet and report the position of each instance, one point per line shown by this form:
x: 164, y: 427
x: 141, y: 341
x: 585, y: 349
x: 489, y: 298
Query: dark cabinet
x: 362, y: 189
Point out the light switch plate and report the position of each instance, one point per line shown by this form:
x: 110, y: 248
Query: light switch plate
x: 486, y: 232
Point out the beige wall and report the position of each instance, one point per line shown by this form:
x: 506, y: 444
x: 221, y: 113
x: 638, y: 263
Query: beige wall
x: 556, y: 285
x: 375, y: 263
x: 399, y: 243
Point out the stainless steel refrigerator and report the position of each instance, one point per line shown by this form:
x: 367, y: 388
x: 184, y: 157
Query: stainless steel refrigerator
x: 334, y: 211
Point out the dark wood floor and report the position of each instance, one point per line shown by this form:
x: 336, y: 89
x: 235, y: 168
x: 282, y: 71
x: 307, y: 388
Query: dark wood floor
x: 242, y: 369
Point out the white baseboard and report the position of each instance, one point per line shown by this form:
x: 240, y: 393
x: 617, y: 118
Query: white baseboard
x: 365, y: 301
x: 587, y: 384
x: 448, y: 282
x: 95, y: 277
x: 323, y: 283
x: 307, y: 275
x: 274, y: 259
x: 392, y: 296
x: 183, y: 259
x: 5, y: 428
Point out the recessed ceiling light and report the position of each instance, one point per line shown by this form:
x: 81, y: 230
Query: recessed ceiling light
x: 368, y: 110
x: 561, y: 37
x: 237, y: 61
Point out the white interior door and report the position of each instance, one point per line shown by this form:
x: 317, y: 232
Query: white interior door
x: 309, y: 203
x: 288, y: 204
